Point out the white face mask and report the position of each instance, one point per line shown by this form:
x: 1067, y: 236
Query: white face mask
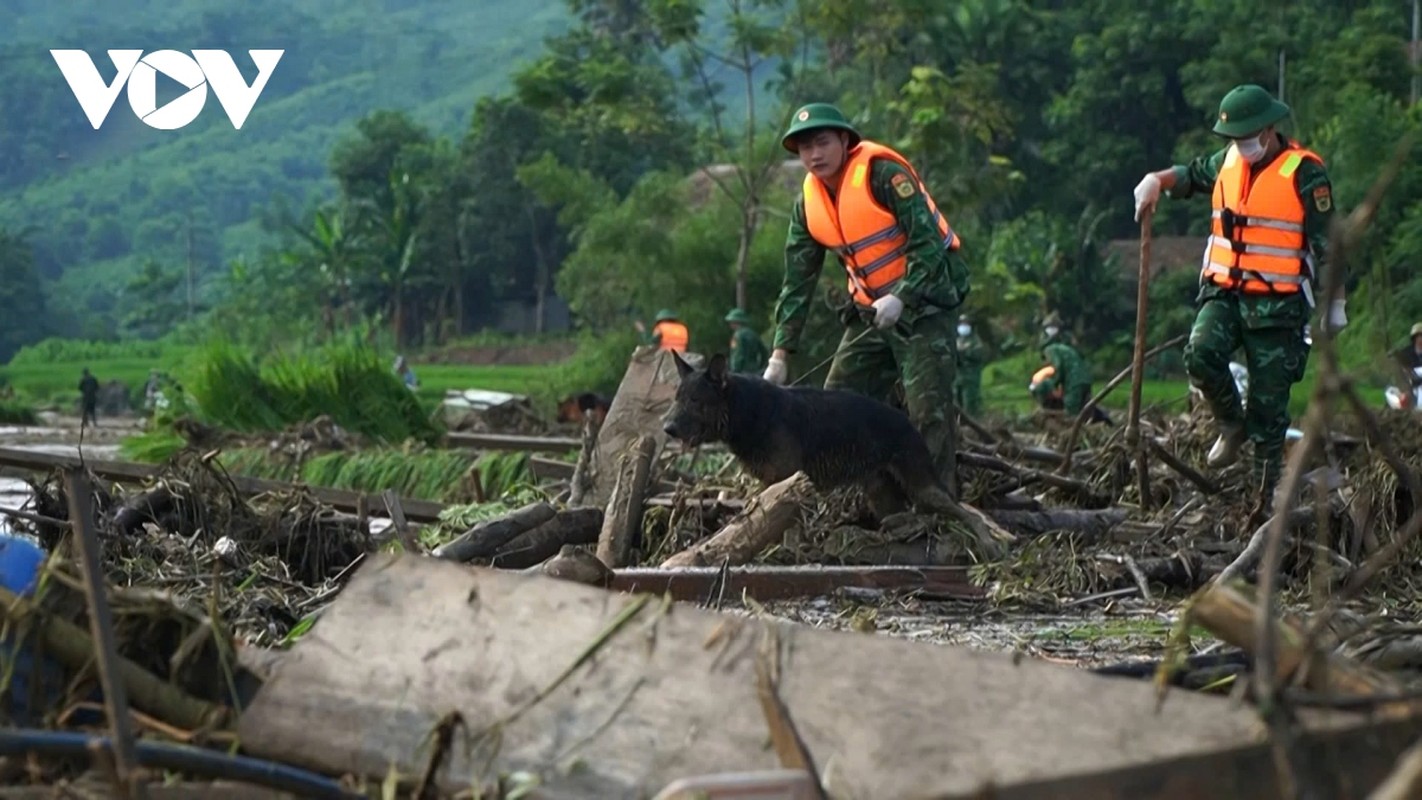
x: 1250, y: 150
x: 1053, y: 330
x: 964, y: 330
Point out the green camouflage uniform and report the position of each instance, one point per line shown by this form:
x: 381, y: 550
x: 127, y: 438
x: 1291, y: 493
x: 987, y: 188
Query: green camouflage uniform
x: 748, y: 352
x: 1270, y: 328
x: 967, y: 385
x: 919, y: 349
x: 1071, y: 373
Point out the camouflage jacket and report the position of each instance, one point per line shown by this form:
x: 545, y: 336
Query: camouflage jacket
x: 934, y: 277
x: 1316, y: 192
x: 748, y: 353
x: 1071, y: 369
x: 971, y: 353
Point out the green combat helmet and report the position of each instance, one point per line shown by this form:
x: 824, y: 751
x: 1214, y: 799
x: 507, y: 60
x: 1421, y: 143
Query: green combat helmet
x: 665, y: 314
x: 1416, y: 331
x: 1247, y: 110
x: 813, y: 116
x: 738, y: 315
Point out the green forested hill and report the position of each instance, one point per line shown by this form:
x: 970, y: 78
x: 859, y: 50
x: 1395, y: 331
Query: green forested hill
x: 102, y: 202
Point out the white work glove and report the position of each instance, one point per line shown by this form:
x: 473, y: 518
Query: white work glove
x: 886, y: 311
x: 1147, y: 193
x: 775, y: 371
x: 1337, y: 316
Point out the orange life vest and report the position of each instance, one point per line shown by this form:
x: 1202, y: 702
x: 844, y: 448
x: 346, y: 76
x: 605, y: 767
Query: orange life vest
x: 866, y: 236
x: 1257, y: 228
x: 674, y: 335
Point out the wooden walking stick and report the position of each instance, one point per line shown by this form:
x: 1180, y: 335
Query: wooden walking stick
x: 1133, y: 425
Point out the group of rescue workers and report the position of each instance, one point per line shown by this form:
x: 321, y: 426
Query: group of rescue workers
x: 1271, y: 202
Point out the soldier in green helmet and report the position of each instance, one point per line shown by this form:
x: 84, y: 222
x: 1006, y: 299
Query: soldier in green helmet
x: 972, y: 356
x: 748, y: 351
x: 906, y: 276
x: 668, y: 332
x: 1272, y: 201
x: 1070, y: 370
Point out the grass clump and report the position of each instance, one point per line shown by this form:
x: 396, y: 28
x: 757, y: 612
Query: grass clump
x: 13, y: 413
x: 350, y: 383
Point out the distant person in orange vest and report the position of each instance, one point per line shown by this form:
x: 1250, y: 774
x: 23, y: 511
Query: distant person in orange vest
x: 1272, y: 203
x: 669, y: 333
x: 906, y: 275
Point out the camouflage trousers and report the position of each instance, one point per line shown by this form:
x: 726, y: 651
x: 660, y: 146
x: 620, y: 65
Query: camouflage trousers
x: 968, y: 391
x: 1275, y: 357
x: 922, y: 354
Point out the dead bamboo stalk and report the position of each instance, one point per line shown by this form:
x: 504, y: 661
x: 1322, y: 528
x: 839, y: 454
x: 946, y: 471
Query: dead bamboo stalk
x: 72, y: 646
x: 101, y: 628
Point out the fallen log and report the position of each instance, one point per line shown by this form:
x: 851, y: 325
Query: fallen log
x: 623, y: 520
x: 1230, y: 616
x: 1093, y: 524
x: 485, y: 539
x: 572, y: 526
x: 763, y: 523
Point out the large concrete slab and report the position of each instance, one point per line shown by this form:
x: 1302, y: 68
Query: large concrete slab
x: 673, y: 693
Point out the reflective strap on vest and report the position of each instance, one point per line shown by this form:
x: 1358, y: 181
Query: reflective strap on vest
x: 879, y: 263
x: 948, y: 237
x: 1261, y: 222
x: 850, y: 249
x: 1257, y: 249
x: 1214, y: 267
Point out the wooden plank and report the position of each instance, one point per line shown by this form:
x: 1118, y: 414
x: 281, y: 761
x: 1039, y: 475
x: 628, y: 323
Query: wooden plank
x: 779, y: 583
x: 549, y: 673
x: 508, y: 441
x: 131, y: 472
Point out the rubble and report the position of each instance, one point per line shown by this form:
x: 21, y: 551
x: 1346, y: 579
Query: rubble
x: 214, y: 577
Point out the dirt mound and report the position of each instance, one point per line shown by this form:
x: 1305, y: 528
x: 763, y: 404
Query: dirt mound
x: 502, y: 355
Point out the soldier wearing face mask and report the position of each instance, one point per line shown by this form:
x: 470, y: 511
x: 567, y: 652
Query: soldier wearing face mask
x: 1269, y: 225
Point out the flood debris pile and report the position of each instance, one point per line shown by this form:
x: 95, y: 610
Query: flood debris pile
x: 260, y: 564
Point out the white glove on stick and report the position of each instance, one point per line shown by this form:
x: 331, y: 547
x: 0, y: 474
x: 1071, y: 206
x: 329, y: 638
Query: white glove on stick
x: 886, y: 311
x: 1337, y: 316
x: 775, y: 371
x: 1147, y: 193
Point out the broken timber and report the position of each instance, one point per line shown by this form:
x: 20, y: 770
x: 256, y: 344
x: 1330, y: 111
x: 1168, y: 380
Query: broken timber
x: 672, y: 692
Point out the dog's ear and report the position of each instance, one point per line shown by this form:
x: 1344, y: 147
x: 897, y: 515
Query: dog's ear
x: 716, y: 369
x: 682, y: 368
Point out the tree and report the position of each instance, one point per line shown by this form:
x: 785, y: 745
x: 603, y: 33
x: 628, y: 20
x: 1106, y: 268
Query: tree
x: 23, y: 317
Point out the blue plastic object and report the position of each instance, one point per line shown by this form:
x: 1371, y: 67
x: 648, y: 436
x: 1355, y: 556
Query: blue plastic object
x: 20, y: 561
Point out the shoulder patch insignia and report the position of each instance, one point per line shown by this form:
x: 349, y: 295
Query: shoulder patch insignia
x: 1323, y: 198
x: 903, y: 185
